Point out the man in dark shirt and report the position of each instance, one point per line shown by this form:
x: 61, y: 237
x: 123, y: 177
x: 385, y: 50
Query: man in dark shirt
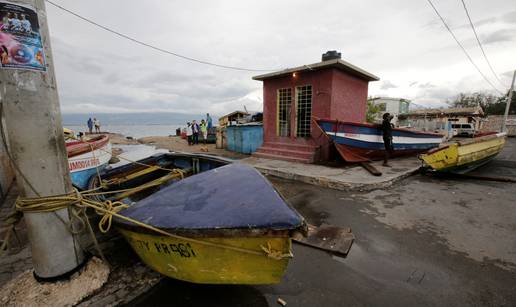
x: 387, y: 137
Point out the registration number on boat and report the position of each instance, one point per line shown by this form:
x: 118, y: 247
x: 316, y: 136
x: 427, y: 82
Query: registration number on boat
x: 183, y: 250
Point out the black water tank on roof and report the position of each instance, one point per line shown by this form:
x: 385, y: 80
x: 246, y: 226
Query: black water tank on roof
x: 331, y: 55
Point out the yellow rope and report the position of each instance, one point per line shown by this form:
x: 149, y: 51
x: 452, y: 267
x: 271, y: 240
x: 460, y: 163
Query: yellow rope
x: 109, y: 209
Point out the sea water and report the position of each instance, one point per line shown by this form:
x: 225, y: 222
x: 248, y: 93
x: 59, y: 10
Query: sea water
x: 135, y: 131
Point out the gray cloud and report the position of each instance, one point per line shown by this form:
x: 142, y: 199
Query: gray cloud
x: 387, y: 85
x: 504, y: 35
x: 103, y: 72
x: 426, y: 85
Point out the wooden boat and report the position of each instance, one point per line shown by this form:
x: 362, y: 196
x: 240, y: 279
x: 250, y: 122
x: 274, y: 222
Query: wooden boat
x: 150, y: 174
x: 362, y: 142
x: 87, y: 157
x: 235, y: 228
x: 463, y: 156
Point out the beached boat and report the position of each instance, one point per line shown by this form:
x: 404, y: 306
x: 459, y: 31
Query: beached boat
x: 465, y: 155
x: 150, y: 174
x: 362, y: 142
x: 229, y: 226
x: 87, y: 157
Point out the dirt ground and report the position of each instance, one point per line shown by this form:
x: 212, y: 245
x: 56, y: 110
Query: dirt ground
x: 173, y: 143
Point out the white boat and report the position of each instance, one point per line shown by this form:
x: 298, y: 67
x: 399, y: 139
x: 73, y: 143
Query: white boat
x: 85, y: 158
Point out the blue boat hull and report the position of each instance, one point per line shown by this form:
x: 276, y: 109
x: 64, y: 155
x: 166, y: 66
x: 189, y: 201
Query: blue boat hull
x: 80, y: 179
x: 358, y: 142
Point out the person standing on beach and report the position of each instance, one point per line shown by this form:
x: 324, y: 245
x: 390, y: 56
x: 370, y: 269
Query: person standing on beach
x: 195, y: 132
x: 189, y: 133
x: 96, y: 122
x: 387, y: 137
x: 204, y: 131
x: 209, y: 121
x: 90, y: 125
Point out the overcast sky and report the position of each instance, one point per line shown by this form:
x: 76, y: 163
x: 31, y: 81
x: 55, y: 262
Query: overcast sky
x: 401, y: 41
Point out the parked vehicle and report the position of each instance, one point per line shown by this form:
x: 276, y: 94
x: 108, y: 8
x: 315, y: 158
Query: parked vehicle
x: 463, y: 130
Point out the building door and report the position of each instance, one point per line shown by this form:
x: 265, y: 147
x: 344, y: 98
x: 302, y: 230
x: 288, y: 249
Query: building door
x: 304, y: 110
x: 284, y: 108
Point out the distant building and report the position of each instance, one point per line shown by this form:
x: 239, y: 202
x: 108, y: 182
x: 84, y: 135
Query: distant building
x: 437, y: 119
x: 331, y: 88
x: 394, y: 106
x: 232, y: 118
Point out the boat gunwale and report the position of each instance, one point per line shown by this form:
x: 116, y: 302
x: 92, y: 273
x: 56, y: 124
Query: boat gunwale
x: 376, y: 126
x: 77, y: 148
x: 466, y: 142
x: 218, y: 232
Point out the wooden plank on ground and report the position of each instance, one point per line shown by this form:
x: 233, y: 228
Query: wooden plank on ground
x: 371, y: 169
x: 333, y: 239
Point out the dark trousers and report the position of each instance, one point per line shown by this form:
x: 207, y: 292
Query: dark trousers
x: 387, y: 141
x: 196, y: 138
x: 189, y: 138
x: 389, y: 148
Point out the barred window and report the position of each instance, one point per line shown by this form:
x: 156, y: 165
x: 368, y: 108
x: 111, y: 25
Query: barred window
x: 304, y: 110
x: 284, y: 105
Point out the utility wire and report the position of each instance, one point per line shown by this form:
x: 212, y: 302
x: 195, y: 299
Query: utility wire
x: 480, y: 44
x: 462, y: 47
x: 154, y: 47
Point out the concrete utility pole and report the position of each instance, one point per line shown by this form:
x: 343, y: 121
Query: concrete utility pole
x: 33, y: 121
x: 508, y: 105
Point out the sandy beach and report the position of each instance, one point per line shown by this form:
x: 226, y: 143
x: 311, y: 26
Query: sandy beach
x: 172, y: 143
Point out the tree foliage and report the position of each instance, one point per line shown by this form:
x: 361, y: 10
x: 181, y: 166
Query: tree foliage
x: 491, y: 104
x: 372, y: 111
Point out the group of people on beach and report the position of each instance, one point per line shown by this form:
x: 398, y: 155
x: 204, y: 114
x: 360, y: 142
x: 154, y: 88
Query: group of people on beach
x: 95, y: 122
x: 193, y: 129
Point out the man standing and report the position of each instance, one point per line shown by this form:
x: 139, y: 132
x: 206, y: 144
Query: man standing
x: 189, y: 133
x: 195, y: 132
x: 208, y: 120
x: 387, y: 137
x: 90, y: 125
x: 96, y: 122
x: 204, y: 131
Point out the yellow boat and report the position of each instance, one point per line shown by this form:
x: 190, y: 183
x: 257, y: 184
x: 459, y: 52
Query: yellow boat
x: 227, y: 225
x: 463, y: 156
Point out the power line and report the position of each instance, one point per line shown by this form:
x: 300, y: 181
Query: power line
x: 154, y: 47
x: 462, y: 47
x: 480, y: 44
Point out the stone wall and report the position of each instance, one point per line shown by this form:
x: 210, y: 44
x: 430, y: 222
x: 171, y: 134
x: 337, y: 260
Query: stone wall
x: 494, y: 123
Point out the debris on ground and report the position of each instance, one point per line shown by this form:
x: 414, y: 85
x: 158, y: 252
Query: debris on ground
x: 25, y: 290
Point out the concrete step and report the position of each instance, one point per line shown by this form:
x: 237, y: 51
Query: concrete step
x: 286, y: 152
x: 281, y: 157
x: 298, y: 147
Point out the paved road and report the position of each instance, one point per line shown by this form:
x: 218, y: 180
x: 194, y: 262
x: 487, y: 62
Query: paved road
x: 424, y: 242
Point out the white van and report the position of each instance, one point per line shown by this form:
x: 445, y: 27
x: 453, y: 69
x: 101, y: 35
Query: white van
x: 463, y: 130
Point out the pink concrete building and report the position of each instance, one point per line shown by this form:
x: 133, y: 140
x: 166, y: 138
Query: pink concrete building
x: 332, y: 88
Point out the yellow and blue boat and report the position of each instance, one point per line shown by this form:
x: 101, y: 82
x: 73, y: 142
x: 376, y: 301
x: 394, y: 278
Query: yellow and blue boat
x: 227, y: 225
x: 462, y: 156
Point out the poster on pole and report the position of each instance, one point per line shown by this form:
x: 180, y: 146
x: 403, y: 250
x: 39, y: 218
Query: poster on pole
x: 20, y: 38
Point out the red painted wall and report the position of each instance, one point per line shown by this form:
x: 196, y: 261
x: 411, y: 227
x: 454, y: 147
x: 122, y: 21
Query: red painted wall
x: 335, y: 94
x: 349, y: 97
